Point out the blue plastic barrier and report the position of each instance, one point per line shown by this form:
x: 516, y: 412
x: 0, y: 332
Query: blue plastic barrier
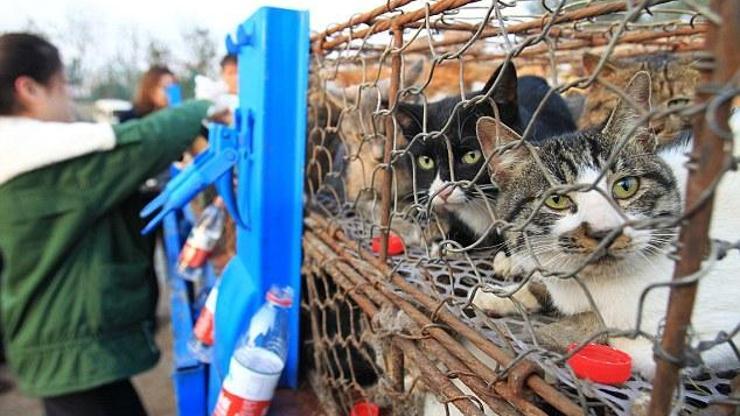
x: 189, y: 376
x: 267, y: 148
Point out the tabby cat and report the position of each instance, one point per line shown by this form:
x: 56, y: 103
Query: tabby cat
x: 619, y: 225
x: 458, y: 188
x: 674, y: 81
x: 359, y: 140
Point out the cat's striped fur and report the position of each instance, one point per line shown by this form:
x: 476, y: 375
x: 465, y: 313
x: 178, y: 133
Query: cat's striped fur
x: 673, y: 83
x: 617, y: 246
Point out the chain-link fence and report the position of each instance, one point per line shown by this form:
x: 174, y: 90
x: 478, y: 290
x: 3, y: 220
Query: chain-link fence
x: 493, y: 187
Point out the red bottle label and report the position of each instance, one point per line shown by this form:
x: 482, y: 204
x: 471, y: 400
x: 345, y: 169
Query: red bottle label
x: 229, y: 404
x: 203, y: 329
x: 193, y: 257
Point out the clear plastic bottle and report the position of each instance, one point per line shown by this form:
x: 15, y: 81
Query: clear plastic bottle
x: 201, y: 343
x: 258, y: 359
x: 201, y: 241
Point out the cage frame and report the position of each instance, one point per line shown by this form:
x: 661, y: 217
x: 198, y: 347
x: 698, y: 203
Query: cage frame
x: 325, y: 243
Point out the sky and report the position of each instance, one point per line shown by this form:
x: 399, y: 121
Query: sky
x: 160, y: 19
x: 167, y: 17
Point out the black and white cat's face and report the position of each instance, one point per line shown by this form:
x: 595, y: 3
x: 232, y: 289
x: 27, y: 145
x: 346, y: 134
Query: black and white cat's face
x: 596, y: 219
x: 448, y: 163
x: 448, y: 166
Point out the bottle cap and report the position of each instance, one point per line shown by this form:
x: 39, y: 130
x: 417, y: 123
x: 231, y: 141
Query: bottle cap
x: 281, y: 296
x: 600, y: 363
x: 218, y: 201
x: 395, y: 245
x: 365, y: 409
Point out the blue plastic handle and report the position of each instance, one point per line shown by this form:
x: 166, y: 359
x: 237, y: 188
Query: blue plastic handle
x: 215, y: 165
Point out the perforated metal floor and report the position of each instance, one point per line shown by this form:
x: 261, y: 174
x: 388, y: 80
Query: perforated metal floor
x: 455, y: 278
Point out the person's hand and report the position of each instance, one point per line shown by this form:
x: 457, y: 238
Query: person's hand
x: 208, y: 89
x: 218, y: 115
x: 222, y: 109
x: 222, y: 116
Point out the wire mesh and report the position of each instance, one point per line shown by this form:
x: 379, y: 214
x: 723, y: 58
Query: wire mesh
x: 530, y: 156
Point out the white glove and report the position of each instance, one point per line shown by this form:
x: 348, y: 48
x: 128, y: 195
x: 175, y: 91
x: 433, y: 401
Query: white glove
x: 222, y: 104
x: 217, y: 93
x: 208, y: 89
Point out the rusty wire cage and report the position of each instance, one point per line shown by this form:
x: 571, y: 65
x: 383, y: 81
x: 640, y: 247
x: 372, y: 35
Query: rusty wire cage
x: 413, y: 331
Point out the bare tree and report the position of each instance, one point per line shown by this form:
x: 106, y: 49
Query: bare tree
x: 158, y: 53
x: 201, y: 50
x: 118, y: 75
x: 201, y: 53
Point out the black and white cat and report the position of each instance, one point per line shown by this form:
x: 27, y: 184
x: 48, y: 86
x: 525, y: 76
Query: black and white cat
x: 628, y: 210
x: 459, y: 187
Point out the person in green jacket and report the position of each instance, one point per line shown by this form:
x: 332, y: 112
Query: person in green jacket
x: 77, y: 288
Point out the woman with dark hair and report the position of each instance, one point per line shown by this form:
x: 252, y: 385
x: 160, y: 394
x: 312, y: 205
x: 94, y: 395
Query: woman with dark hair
x: 77, y: 291
x: 150, y: 93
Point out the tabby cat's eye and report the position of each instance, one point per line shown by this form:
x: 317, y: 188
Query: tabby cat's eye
x: 625, y: 187
x: 425, y: 162
x: 678, y: 101
x: 472, y: 157
x: 558, y: 202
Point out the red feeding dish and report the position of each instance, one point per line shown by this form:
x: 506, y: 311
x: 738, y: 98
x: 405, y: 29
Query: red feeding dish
x: 365, y: 409
x: 395, y: 245
x: 601, y: 363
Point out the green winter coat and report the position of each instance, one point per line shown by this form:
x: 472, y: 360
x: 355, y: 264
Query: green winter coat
x: 77, y: 290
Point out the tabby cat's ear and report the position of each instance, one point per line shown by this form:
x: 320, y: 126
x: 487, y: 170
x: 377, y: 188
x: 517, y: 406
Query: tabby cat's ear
x: 627, y: 115
x: 505, y: 92
x: 411, y: 72
x: 493, y: 135
x: 591, y: 62
x: 369, y: 96
x: 335, y: 95
x: 348, y: 97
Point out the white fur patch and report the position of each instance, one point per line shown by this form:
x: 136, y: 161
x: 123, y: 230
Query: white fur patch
x: 474, y: 213
x: 440, y: 187
x: 594, y: 208
x: 476, y: 216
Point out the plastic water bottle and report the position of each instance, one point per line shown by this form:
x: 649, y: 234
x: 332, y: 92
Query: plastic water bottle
x: 258, y: 359
x: 201, y: 241
x: 201, y: 343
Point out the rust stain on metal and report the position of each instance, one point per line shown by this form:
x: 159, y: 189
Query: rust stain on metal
x: 710, y: 157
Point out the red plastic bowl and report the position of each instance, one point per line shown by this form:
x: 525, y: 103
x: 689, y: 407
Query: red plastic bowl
x: 395, y: 245
x: 601, y: 363
x: 365, y: 409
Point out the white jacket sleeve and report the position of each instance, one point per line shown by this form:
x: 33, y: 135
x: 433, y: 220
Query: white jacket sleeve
x: 27, y: 144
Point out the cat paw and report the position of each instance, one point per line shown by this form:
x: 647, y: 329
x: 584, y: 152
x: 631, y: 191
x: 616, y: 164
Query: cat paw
x: 641, y: 352
x: 435, y: 249
x: 640, y: 406
x: 410, y: 233
x: 502, y: 265
x: 504, y: 305
x: 438, y: 249
x: 493, y: 305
